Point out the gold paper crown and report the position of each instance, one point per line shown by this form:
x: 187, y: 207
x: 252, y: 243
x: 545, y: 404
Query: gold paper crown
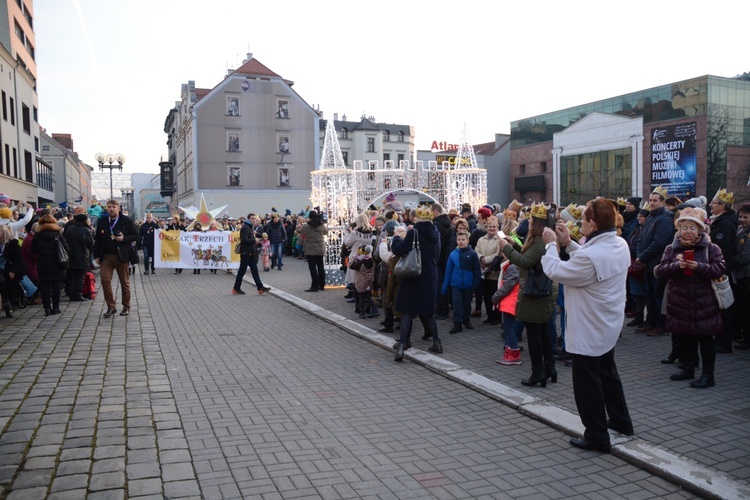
x: 574, y: 230
x: 538, y: 210
x: 423, y: 212
x: 724, y: 197
x: 573, y: 210
x: 661, y: 191
x: 646, y: 206
x: 622, y: 201
x: 510, y: 214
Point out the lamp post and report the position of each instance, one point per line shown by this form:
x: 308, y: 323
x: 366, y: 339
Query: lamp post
x: 129, y: 202
x: 110, y: 158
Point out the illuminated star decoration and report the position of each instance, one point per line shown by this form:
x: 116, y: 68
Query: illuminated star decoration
x: 204, y: 216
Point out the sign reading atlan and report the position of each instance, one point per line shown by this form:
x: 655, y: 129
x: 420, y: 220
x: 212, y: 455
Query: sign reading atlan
x: 674, y: 159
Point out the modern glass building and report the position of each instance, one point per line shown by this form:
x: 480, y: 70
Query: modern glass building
x: 688, y: 130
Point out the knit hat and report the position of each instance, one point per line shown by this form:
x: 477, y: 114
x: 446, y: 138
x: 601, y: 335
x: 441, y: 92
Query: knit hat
x: 390, y: 197
x: 5, y: 213
x: 390, y: 227
x: 484, y: 212
x: 4, y: 198
x: 635, y: 200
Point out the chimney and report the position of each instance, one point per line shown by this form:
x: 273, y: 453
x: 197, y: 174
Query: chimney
x: 64, y: 139
x: 343, y: 118
x: 335, y: 117
x: 249, y: 57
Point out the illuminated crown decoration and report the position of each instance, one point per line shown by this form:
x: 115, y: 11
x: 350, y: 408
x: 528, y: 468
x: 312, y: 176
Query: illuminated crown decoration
x: 575, y: 230
x: 538, y: 210
x: 424, y: 213
x: 622, y: 201
x: 661, y: 191
x: 724, y: 196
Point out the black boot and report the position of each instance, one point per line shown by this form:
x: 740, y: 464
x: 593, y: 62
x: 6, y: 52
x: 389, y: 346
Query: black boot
x: 436, y: 347
x: 684, y: 374
x: 537, y: 377
x: 670, y: 359
x: 8, y: 310
x: 706, y: 380
x: 550, y: 372
x: 399, y: 353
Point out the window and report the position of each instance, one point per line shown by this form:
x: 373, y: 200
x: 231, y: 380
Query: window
x: 401, y: 136
x: 386, y: 156
x: 370, y: 144
x: 15, y: 163
x: 36, y: 144
x: 386, y: 135
x: 19, y: 32
x: 7, y: 160
x: 30, y: 48
x: 522, y: 169
x: 543, y: 166
x: 400, y: 158
x: 12, y: 111
x: 344, y: 134
x: 36, y: 114
x: 29, y: 165
x: 345, y: 154
x: 5, y: 108
x: 26, y: 117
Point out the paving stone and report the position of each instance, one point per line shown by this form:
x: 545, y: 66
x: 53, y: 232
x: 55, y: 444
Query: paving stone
x: 107, y: 495
x: 177, y: 472
x: 144, y: 487
x: 26, y: 493
x: 72, y: 482
x: 143, y: 470
x: 40, y: 463
x: 177, y: 489
x: 69, y: 495
x: 33, y: 478
x: 108, y: 465
x: 73, y: 467
x: 107, y: 481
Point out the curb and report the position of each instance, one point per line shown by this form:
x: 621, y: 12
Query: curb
x: 667, y: 465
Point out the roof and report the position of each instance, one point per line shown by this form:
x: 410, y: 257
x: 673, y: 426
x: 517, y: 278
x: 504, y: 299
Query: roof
x: 254, y: 67
x: 366, y: 124
x: 201, y: 93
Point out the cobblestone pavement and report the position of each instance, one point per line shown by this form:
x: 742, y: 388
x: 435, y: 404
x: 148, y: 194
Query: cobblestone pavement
x: 199, y: 393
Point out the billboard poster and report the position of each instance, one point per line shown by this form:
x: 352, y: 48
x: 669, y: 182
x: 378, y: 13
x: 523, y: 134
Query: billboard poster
x: 674, y: 159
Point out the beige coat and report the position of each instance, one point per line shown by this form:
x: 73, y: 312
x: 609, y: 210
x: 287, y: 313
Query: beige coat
x: 488, y: 248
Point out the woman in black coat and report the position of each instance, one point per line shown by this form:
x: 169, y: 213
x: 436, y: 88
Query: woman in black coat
x: 416, y: 296
x: 51, y: 273
x: 81, y: 243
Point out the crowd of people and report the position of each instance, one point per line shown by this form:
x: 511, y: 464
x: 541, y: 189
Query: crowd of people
x: 520, y: 268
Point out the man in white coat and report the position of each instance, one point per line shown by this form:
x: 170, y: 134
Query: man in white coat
x: 594, y: 279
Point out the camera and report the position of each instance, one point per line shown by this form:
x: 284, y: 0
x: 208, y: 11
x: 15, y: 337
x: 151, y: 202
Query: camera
x: 551, y: 216
x: 116, y: 232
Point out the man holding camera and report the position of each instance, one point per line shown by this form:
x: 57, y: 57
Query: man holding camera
x: 115, y: 235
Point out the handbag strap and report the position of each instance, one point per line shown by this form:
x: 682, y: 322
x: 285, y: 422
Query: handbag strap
x: 415, y: 241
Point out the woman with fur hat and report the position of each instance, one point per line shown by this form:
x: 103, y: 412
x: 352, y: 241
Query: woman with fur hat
x: 51, y: 272
x: 690, y: 263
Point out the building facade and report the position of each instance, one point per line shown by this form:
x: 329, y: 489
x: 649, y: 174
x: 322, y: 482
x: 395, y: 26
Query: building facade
x: 251, y: 142
x: 692, y: 137
x: 19, y: 129
x: 71, y: 177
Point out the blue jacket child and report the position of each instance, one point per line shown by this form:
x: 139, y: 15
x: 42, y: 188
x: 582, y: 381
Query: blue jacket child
x: 463, y: 276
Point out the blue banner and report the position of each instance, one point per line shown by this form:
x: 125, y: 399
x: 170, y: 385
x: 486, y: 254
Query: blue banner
x: 674, y: 159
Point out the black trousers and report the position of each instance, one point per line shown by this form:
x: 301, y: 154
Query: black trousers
x: 76, y: 283
x: 245, y: 261
x: 428, y: 322
x: 598, y: 393
x: 317, y: 271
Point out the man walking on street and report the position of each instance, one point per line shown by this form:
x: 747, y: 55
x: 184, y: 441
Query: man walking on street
x: 147, y: 242
x: 115, y: 234
x: 248, y: 257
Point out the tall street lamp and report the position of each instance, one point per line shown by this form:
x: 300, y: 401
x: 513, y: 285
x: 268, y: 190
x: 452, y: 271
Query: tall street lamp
x: 129, y: 202
x: 110, y: 158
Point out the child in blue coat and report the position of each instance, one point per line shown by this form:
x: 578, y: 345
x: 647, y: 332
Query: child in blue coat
x: 463, y: 276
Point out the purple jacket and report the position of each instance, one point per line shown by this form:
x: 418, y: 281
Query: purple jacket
x: 691, y: 305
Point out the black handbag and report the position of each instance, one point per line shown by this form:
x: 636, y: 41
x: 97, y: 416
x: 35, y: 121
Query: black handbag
x: 410, y: 265
x: 537, y: 284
